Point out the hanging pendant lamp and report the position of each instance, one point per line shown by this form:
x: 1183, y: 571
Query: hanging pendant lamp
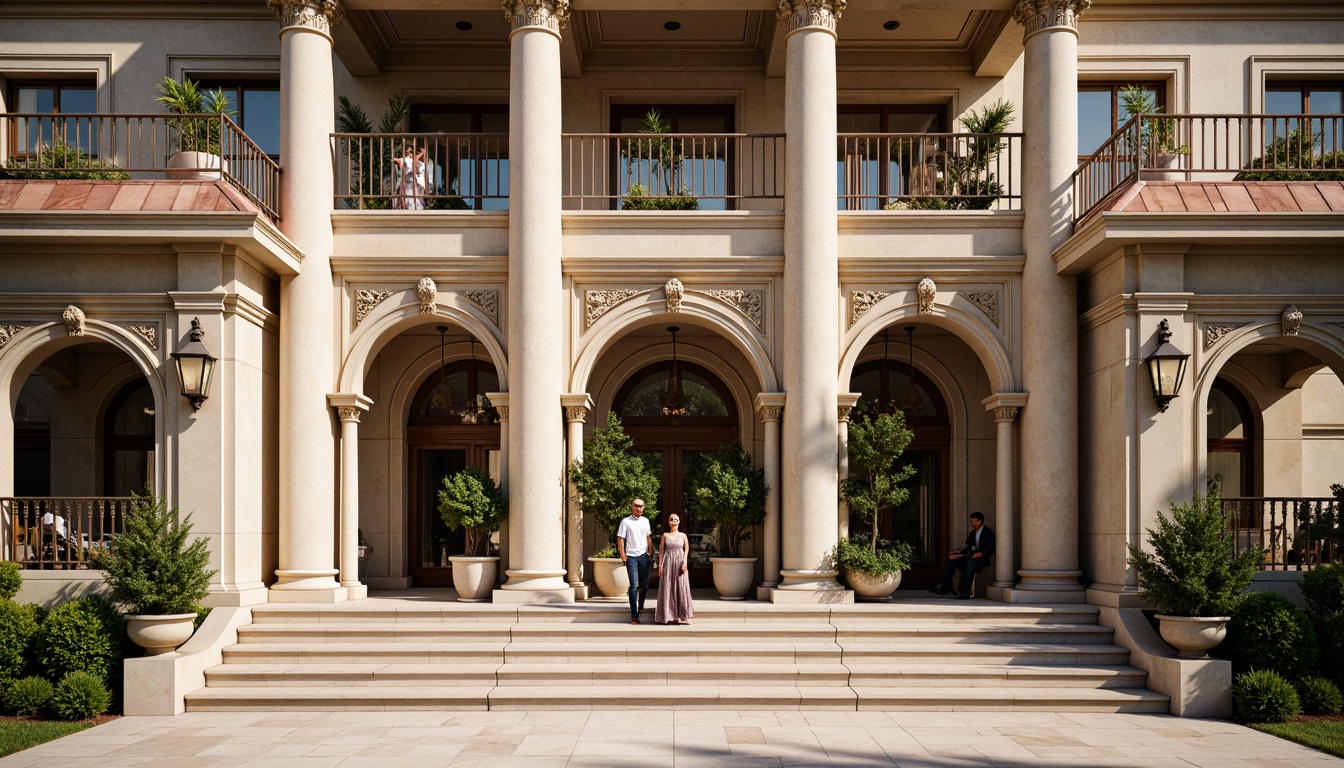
x: 673, y: 404
x: 912, y: 399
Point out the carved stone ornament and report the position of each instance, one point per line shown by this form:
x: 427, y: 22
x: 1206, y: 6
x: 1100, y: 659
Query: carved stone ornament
x: 862, y: 301
x: 552, y: 14
x: 985, y: 301
x: 149, y: 333
x: 428, y: 293
x: 842, y: 412
x: 348, y: 413
x: 772, y: 412
x: 675, y: 290
x: 1005, y: 413
x: 503, y: 411
x: 1036, y: 15
x: 8, y: 332
x: 596, y: 303
x: 575, y: 413
x: 1292, y: 320
x: 796, y: 14
x: 366, y: 301
x: 749, y: 303
x: 320, y: 15
x: 74, y: 320
x: 487, y: 301
x: 1215, y: 333
x: 926, y: 291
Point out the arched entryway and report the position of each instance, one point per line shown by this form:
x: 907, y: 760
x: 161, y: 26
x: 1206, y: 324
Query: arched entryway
x: 676, y: 433
x: 452, y: 426
x: 1231, y: 441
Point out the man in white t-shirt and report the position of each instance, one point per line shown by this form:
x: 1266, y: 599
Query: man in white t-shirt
x: 634, y: 540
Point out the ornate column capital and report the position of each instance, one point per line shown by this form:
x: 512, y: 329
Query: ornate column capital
x: 551, y: 14
x: 845, y: 403
x: 576, y: 405
x: 349, y: 406
x: 1005, y: 405
x: 317, y: 15
x: 1007, y: 413
x: 770, y: 405
x: 1038, y: 15
x: 796, y: 14
x: 500, y: 400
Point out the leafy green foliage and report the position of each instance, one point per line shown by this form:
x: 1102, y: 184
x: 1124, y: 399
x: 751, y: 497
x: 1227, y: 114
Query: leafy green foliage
x: 1155, y: 136
x: 18, y: 626
x: 87, y: 633
x: 1268, y: 632
x: 874, y: 482
x: 638, y: 199
x: 607, y: 552
x: 1296, y: 156
x: 373, y: 155
x: 473, y: 501
x: 663, y: 156
x: 1192, y: 570
x: 11, y: 580
x: 611, y: 476
x: 1319, y: 526
x: 80, y: 696
x: 28, y: 696
x: 152, y: 568
x: 1319, y: 696
x: 857, y: 554
x: 966, y: 183
x: 1323, y: 589
x: 18, y: 735
x: 60, y: 160
x: 731, y: 495
x: 1263, y: 696
x: 194, y: 134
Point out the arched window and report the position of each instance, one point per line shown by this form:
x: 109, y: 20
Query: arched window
x: 1231, y: 440
x: 706, y: 401
x: 456, y: 395
x: 128, y: 441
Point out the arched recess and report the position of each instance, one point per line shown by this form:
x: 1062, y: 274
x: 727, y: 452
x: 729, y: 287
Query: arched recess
x: 893, y: 309
x: 27, y: 350
x: 387, y: 322
x: 650, y: 309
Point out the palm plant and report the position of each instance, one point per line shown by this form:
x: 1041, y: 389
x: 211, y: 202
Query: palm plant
x: 664, y: 157
x: 194, y: 132
x: 1155, y: 136
x: 373, y: 154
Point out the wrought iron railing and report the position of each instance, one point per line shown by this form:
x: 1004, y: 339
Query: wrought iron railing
x: 70, y: 532
x: 1210, y: 148
x: 929, y: 171
x: 671, y: 171
x: 420, y: 171
x: 1295, y: 533
x: 117, y: 147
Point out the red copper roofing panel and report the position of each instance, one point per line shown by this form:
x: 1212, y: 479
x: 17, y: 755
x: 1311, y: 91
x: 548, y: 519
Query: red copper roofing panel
x: 1234, y: 196
x: 99, y: 195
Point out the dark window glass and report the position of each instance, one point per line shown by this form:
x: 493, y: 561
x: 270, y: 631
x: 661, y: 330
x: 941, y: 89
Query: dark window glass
x: 702, y: 166
x: 866, y: 172
x: 1101, y: 111
x: 256, y: 107
x: 476, y: 169
x: 54, y: 99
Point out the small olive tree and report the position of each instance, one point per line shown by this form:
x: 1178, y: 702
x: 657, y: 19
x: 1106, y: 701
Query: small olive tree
x: 610, y: 476
x: 473, y: 501
x: 730, y: 494
x: 875, y: 446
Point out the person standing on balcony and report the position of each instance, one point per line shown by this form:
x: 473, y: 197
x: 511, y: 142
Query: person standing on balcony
x: 409, y: 180
x: 634, y: 540
x: 973, y: 557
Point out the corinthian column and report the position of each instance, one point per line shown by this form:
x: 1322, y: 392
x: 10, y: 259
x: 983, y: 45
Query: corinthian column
x: 536, y: 338
x: 348, y: 408
x: 1050, y: 317
x: 577, y: 406
x: 811, y: 326
x: 770, y: 405
x: 307, y: 324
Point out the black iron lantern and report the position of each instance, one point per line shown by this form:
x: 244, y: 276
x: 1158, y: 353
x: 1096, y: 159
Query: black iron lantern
x: 674, y: 403
x: 195, y: 365
x: 1166, y: 367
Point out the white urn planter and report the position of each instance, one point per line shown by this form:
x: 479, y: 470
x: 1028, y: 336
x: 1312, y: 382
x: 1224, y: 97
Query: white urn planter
x: 160, y: 634
x: 611, y: 577
x: 474, y: 577
x: 194, y: 166
x: 1166, y: 166
x: 869, y: 587
x: 733, y: 576
x: 1192, y: 636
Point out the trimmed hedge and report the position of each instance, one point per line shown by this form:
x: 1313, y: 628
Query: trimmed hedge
x: 1323, y: 589
x: 1268, y: 632
x: 1263, y: 696
x: 80, y: 696
x: 86, y: 634
x: 18, y: 626
x: 28, y: 696
x: 10, y: 580
x: 1319, y: 696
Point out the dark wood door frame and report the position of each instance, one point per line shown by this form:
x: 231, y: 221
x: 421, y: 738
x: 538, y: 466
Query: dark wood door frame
x: 477, y: 441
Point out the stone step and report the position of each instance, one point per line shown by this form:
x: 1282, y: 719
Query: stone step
x: 366, y: 632
x: 1036, y: 654
x: 847, y: 634
x: 703, y: 651
x: 363, y: 653
x: 994, y: 675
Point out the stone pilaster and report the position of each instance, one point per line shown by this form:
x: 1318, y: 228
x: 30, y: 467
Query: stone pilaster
x: 577, y: 406
x: 349, y: 407
x: 845, y: 404
x: 1005, y: 406
x: 770, y: 406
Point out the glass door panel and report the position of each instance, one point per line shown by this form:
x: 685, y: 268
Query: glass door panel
x: 433, y: 542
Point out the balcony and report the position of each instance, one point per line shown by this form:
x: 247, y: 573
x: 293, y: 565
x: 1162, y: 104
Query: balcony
x: 929, y: 172
x: 1217, y: 148
x: 62, y: 533
x: 1295, y: 533
x: 140, y: 147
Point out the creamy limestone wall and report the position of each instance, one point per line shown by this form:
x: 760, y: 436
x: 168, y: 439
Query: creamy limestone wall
x: 1322, y: 433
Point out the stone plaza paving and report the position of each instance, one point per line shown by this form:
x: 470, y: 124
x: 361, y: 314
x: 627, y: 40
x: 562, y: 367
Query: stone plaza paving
x: 684, y: 739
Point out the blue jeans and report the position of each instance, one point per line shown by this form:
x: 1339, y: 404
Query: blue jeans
x: 637, y: 568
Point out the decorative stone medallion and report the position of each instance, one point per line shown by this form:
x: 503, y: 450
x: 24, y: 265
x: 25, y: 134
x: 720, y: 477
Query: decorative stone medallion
x: 926, y: 291
x: 597, y: 303
x: 1292, y: 320
x: 74, y: 320
x: 985, y: 301
x: 366, y: 301
x: 749, y: 303
x: 428, y: 293
x: 487, y: 301
x: 862, y: 301
x: 675, y: 291
x: 1215, y: 333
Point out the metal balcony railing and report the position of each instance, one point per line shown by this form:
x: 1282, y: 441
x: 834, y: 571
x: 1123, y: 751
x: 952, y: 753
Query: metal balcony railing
x: 445, y: 171
x: 70, y: 532
x: 932, y: 171
x: 1295, y: 533
x: 1210, y: 148
x: 119, y: 147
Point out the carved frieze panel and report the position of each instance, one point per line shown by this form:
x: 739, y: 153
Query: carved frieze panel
x: 486, y: 300
x: 597, y: 303
x: 985, y: 301
x: 862, y: 301
x: 148, y: 331
x: 8, y: 332
x: 1214, y: 332
x: 366, y: 301
x: 749, y: 303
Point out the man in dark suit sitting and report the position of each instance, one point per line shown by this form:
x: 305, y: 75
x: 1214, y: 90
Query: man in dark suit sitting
x: 973, y: 557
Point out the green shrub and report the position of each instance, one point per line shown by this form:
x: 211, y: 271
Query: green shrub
x: 80, y: 696
x: 1263, y: 696
x: 155, y: 567
x: 1323, y: 589
x: 473, y: 501
x: 612, y: 475
x: 729, y: 495
x: 59, y: 160
x: 10, y: 580
x: 18, y: 625
x: 1268, y: 632
x: 1319, y: 696
x: 85, y: 634
x: 28, y: 696
x: 856, y: 554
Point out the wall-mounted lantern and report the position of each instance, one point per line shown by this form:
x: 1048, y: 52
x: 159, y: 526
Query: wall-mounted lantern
x: 1166, y: 367
x: 195, y: 365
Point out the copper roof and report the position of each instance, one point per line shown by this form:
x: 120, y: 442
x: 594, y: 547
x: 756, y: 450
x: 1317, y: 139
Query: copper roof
x: 152, y: 195
x: 1231, y: 196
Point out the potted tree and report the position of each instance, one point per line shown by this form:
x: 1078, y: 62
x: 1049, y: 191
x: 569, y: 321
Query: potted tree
x: 200, y: 130
x: 157, y: 575
x: 608, y: 478
x: 472, y: 501
x: 1154, y: 141
x: 731, y: 495
x: 873, y: 567
x: 1192, y: 575
x: 664, y: 157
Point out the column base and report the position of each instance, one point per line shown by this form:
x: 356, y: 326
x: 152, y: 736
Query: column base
x: 356, y: 591
x: 580, y: 591
x: 811, y: 587
x: 316, y: 586
x: 764, y: 591
x: 236, y: 597
x: 531, y: 580
x: 1039, y: 587
x: 1116, y: 596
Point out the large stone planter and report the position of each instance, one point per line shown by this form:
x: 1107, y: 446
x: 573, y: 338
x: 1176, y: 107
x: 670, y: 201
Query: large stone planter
x: 611, y: 577
x: 869, y: 587
x: 474, y: 577
x: 733, y: 576
x: 194, y: 166
x: 160, y: 634
x: 1192, y: 636
x: 1166, y: 166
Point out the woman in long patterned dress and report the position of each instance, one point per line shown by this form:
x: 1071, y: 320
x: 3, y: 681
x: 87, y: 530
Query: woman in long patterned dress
x: 674, y: 584
x: 409, y: 181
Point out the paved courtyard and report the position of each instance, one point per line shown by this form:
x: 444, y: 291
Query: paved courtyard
x: 684, y: 739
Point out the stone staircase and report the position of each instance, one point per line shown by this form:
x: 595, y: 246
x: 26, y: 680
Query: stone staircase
x: 913, y: 654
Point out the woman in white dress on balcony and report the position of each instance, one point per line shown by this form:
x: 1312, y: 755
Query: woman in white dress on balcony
x: 409, y: 180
